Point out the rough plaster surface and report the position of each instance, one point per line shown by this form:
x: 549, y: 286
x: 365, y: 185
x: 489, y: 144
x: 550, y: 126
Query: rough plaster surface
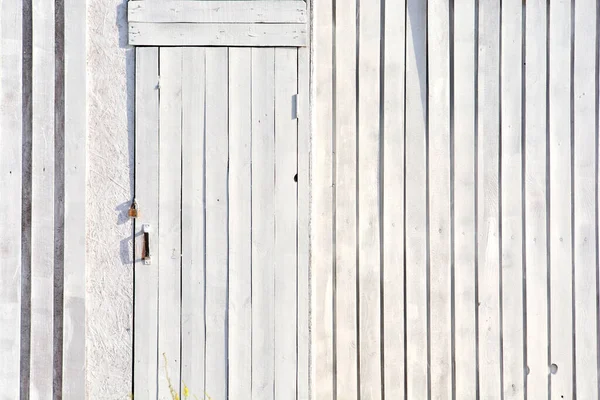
x: 110, y: 69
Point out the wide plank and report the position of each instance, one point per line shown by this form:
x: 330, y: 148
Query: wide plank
x: 283, y: 11
x: 189, y: 34
x: 11, y: 178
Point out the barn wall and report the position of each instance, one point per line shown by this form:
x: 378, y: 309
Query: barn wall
x: 455, y: 202
x: 66, y: 140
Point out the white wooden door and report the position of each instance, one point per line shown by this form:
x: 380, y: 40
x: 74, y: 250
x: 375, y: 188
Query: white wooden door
x: 221, y: 276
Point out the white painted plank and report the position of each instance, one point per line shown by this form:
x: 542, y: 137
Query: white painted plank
x: 535, y: 200
x: 346, y: 202
x: 193, y: 222
x: 263, y: 222
x: 240, y: 223
x: 585, y: 197
x: 189, y: 34
x: 440, y: 277
x: 512, y: 200
x: 216, y: 159
x: 169, y: 221
x: 393, y: 200
x: 218, y: 11
x: 145, y: 364
x: 322, y: 206
x: 416, y: 229
x: 286, y: 136
x: 42, y: 202
x: 488, y: 199
x: 369, y: 257
x: 11, y: 128
x: 464, y: 200
x: 74, y: 372
x: 304, y: 266
x: 561, y: 277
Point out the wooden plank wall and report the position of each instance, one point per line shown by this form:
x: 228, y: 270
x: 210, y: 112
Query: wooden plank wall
x: 42, y: 198
x: 455, y: 199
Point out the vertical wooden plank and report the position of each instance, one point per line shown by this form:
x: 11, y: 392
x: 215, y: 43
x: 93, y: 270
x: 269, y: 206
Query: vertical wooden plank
x: 561, y: 279
x: 145, y: 366
x: 193, y: 223
x: 169, y: 221
x: 240, y: 223
x: 346, y: 301
x: 585, y: 219
x: 286, y: 136
x: 217, y: 183
x: 535, y: 199
x: 74, y: 375
x: 263, y: 222
x: 346, y: 324
x: 439, y: 199
x: 322, y: 211
x: 464, y: 199
x: 488, y: 250
x: 393, y: 199
x: 304, y: 266
x: 512, y: 199
x: 416, y: 246
x: 42, y: 203
x: 11, y: 127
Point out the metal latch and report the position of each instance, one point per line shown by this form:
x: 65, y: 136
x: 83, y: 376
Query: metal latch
x: 146, y: 228
x: 133, y: 209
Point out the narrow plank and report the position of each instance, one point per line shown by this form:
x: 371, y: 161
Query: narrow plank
x: 11, y: 127
x: 217, y: 176
x: 535, y: 200
x: 294, y: 12
x: 393, y: 200
x: 488, y: 245
x: 74, y: 371
x: 42, y: 202
x: 417, y: 369
x: 321, y: 214
x: 512, y: 200
x: 369, y: 256
x: 263, y: 223
x: 346, y: 201
x: 464, y: 200
x: 193, y: 224
x: 145, y: 366
x: 240, y: 223
x: 189, y: 34
x: 439, y: 199
x: 304, y: 266
x: 561, y: 277
x: 286, y: 136
x: 585, y: 218
x: 169, y: 221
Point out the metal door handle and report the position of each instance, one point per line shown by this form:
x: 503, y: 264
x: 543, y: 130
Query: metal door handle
x: 146, y: 250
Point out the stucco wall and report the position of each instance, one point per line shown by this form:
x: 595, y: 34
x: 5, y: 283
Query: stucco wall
x: 110, y: 72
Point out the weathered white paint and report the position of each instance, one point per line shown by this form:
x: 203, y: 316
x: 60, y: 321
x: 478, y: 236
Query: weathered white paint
x: 218, y: 11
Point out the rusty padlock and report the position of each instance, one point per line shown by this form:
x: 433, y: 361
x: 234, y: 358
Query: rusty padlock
x: 133, y: 210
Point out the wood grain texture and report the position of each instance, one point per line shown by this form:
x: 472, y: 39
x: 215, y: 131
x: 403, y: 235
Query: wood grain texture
x: 189, y: 34
x: 169, y: 221
x: 217, y: 216
x: 193, y: 225
x: 464, y: 200
x: 11, y: 179
x: 536, y: 243
x: 218, y: 11
x: 42, y: 202
x: 512, y: 200
x: 263, y: 223
x: 240, y: 223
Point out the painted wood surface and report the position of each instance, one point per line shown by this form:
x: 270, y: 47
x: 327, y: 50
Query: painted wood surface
x: 286, y: 11
x: 214, y: 34
x: 11, y: 180
x: 41, y: 362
